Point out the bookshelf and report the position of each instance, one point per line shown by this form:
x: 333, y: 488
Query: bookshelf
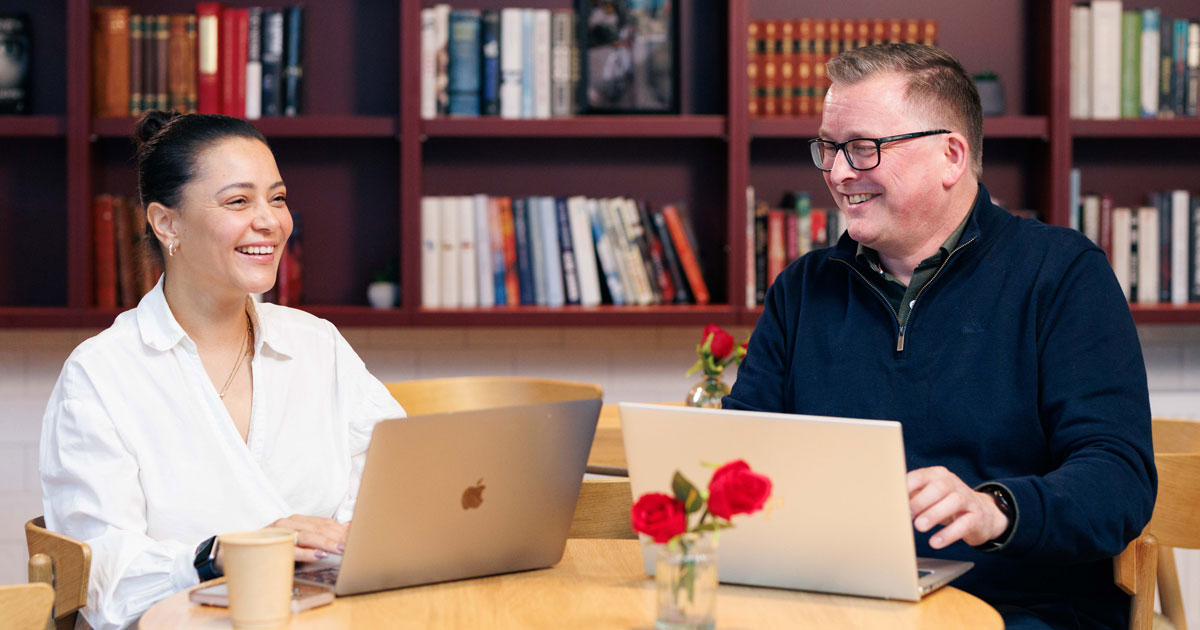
x: 359, y: 160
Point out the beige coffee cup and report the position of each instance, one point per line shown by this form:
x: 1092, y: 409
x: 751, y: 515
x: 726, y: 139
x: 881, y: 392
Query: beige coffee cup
x: 258, y: 567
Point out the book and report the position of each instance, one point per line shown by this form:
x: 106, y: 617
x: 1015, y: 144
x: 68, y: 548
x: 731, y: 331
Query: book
x: 1162, y: 205
x: 1179, y: 203
x: 489, y: 33
x: 110, y: 62
x: 542, y: 79
x: 640, y: 241
x: 537, y: 258
x: 661, y: 274
x: 181, y: 62
x: 562, y: 41
x: 496, y: 236
x: 1148, y: 258
x: 208, y: 81
x: 749, y: 255
x: 104, y: 252
x: 585, y: 252
x: 761, y: 238
x: 1080, y: 61
x: 293, y: 59
x: 1106, y: 59
x: 551, y: 251
x: 138, y: 65
x: 162, y: 43
x: 511, y: 73
x: 641, y: 269
x: 1133, y: 272
x: 1076, y: 181
x: 468, y: 266
x: 272, y: 62
x: 1193, y: 70
x: 232, y: 60
x: 431, y: 257
x: 449, y: 272
x: 605, y: 252
x: 1121, y: 245
x: 566, y: 242
x: 16, y: 44
x: 753, y: 46
x: 1149, y: 69
x: 1166, y: 84
x: 526, y: 288
x: 1131, y: 64
x: 429, y: 57
x: 1179, y: 66
x: 128, y: 272
x: 686, y: 250
x: 485, y: 277
x: 1090, y: 219
x: 512, y: 280
x: 464, y: 63
x: 1193, y: 250
x: 528, y: 68
x: 254, y: 63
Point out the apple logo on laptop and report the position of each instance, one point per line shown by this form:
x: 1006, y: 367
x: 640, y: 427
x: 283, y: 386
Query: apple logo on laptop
x: 472, y: 497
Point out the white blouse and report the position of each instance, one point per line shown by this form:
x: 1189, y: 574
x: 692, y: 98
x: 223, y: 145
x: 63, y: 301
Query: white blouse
x: 140, y: 459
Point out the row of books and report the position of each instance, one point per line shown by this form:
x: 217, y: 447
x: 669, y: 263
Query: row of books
x: 484, y: 251
x: 786, y: 65
x: 1153, y: 248
x: 122, y: 271
x: 511, y: 62
x: 243, y: 62
x: 1133, y: 63
x: 779, y: 235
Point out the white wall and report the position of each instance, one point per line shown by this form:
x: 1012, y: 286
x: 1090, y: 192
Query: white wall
x: 632, y: 364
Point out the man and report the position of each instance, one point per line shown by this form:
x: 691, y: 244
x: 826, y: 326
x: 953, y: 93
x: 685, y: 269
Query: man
x: 1004, y: 346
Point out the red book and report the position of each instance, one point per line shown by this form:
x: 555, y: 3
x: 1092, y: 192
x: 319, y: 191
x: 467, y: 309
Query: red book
x: 232, y: 60
x: 208, y: 84
x: 817, y: 223
x: 1106, y: 206
x: 776, y: 244
x: 512, y: 282
x: 104, y: 251
x: 686, y: 253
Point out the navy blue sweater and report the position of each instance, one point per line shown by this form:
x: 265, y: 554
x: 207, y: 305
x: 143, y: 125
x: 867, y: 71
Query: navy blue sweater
x: 1020, y: 365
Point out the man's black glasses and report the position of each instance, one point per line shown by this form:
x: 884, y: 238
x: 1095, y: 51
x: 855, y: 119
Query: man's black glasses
x: 862, y: 154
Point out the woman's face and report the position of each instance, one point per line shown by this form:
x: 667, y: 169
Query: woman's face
x: 233, y: 221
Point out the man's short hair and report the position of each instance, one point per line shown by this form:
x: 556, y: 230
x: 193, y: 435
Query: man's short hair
x: 938, y: 87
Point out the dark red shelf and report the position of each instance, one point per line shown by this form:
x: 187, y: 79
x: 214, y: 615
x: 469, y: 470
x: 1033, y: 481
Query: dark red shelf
x: 998, y: 127
x: 1136, y: 128
x: 55, y: 317
x: 32, y: 126
x: 359, y: 315
x: 1166, y: 314
x: 578, y: 127
x: 579, y: 316
x: 284, y: 127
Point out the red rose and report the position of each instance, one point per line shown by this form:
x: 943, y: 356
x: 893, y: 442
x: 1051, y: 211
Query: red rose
x: 659, y: 516
x: 722, y: 342
x: 735, y: 489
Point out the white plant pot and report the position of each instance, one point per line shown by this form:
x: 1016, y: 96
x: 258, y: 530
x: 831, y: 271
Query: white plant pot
x: 383, y: 294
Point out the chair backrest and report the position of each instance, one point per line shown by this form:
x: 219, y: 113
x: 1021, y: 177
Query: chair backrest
x: 1149, y: 560
x: 603, y: 508
x: 464, y: 393
x: 25, y: 606
x: 62, y: 562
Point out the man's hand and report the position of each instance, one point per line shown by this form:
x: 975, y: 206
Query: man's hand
x: 317, y: 536
x: 937, y: 496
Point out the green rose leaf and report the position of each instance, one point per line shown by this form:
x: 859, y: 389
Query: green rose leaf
x: 686, y: 492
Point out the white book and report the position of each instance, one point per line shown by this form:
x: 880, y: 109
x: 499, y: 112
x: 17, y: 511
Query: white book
x: 1180, y: 200
x: 428, y: 64
x: 431, y: 252
x: 551, y: 251
x: 449, y: 272
x: 562, y: 40
x: 1075, y: 203
x: 1122, y: 220
x: 483, y: 252
x: 1081, y: 61
x: 1148, y: 259
x: 254, y: 64
x: 614, y: 232
x: 1150, y: 61
x: 528, y: 64
x: 637, y: 263
x: 585, y: 252
x: 510, y: 62
x: 1106, y: 59
x: 1091, y: 217
x: 441, y: 35
x: 468, y: 265
x: 541, y: 63
x: 751, y: 298
x: 604, y: 252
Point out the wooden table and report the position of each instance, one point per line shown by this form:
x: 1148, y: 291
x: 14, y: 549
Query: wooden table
x: 608, y: 449
x: 598, y: 584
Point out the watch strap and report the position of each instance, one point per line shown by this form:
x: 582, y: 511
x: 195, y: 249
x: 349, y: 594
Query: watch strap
x: 1007, y: 506
x: 206, y: 560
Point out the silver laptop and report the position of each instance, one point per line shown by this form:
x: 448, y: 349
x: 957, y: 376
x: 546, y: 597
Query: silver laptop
x: 465, y: 494
x: 838, y: 520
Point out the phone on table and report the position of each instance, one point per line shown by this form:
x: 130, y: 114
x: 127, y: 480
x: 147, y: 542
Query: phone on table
x: 304, y: 596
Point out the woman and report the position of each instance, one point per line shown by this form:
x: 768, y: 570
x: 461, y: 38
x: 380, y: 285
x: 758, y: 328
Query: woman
x: 200, y: 412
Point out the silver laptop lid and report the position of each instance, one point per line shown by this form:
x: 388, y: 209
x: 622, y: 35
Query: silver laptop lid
x: 457, y: 495
x: 838, y: 520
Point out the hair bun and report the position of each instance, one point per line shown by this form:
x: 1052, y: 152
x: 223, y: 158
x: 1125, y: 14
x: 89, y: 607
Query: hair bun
x: 150, y: 123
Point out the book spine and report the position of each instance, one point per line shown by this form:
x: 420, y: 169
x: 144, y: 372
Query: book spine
x: 686, y: 251
x: 226, y: 58
x: 770, y: 69
x: 567, y: 246
x: 161, y: 45
x: 1106, y: 59
x: 1106, y: 225
x: 551, y: 252
x: 1193, y: 253
x: 253, y: 89
x: 1148, y: 256
x: 449, y: 273
x: 1193, y: 70
x: 528, y: 295
x: 496, y: 234
x: 272, y: 63
x: 562, y: 39
x: 110, y: 62
x: 776, y: 246
x: 137, y: 65
x: 1166, y: 85
x: 1121, y: 245
x: 512, y: 277
x: 293, y: 61
x: 604, y: 251
x: 585, y: 251
x: 510, y: 63
x: 428, y: 64
x: 177, y: 62
x: 786, y: 68
x: 528, y: 63
x: 104, y: 252
x: 682, y: 292
x: 542, y: 79
x: 430, y: 253
x: 468, y: 289
x: 1162, y: 206
x: 537, y: 262
x: 464, y: 70
x: 1149, y: 69
x: 752, y: 66
x: 1135, y: 241
x: 1131, y: 64
x: 1080, y: 60
x: 126, y: 242
x: 804, y: 68
x: 485, y: 279
x: 441, y: 46
x: 661, y: 275
x: 761, y: 238
x: 1178, y: 202
x: 1179, y: 68
x: 190, y: 64
x: 490, y: 38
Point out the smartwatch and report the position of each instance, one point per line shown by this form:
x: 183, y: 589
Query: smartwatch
x: 206, y: 560
x: 1004, y: 503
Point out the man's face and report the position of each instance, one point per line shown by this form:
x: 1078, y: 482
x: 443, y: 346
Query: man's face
x: 895, y: 207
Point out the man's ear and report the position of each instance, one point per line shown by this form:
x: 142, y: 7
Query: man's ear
x: 162, y: 221
x: 958, y: 159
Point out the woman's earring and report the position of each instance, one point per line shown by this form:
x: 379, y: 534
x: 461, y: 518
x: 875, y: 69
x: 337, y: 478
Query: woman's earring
x: 171, y: 248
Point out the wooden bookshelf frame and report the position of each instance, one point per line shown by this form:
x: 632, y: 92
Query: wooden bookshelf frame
x: 717, y: 124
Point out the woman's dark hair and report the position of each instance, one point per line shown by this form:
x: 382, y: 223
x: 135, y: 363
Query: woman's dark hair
x: 168, y: 144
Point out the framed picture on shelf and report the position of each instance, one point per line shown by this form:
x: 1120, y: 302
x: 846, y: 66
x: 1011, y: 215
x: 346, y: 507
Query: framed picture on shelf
x: 14, y: 63
x: 629, y: 56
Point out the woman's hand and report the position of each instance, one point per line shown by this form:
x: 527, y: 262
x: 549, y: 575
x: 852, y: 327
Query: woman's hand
x: 316, y: 536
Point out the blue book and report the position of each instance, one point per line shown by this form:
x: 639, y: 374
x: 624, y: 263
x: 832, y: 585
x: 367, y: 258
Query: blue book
x: 606, y: 254
x: 1179, y: 68
x: 464, y: 62
x: 537, y: 253
x: 489, y: 98
x: 527, y: 54
x: 520, y: 209
x: 552, y: 256
x: 496, y: 246
x: 570, y: 270
x: 293, y: 68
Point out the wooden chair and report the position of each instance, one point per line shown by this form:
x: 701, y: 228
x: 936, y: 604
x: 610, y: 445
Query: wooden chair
x: 603, y: 509
x: 64, y: 564
x: 1150, y: 559
x: 26, y: 606
x: 464, y: 393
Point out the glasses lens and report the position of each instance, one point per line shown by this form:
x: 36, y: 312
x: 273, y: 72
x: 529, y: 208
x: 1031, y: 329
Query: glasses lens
x: 823, y: 153
x: 863, y: 154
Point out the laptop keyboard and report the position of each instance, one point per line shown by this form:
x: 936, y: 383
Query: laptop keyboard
x: 326, y: 576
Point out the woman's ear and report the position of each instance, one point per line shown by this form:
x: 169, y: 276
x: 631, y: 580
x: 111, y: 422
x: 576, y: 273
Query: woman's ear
x: 162, y: 221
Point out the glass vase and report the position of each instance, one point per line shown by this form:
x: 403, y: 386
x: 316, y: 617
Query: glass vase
x: 686, y: 577
x: 708, y: 393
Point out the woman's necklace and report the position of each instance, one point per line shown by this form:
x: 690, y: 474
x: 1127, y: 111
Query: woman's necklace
x: 247, y: 346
